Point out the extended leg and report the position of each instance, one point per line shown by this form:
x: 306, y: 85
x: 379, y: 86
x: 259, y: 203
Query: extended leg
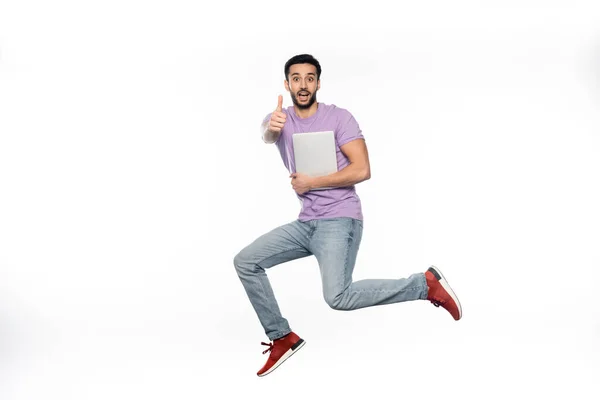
x: 285, y: 243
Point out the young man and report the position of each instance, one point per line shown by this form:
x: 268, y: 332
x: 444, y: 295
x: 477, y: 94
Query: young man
x: 330, y: 222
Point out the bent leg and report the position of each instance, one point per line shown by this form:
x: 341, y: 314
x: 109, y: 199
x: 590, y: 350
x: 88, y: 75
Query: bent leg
x: 285, y: 243
x: 335, y: 244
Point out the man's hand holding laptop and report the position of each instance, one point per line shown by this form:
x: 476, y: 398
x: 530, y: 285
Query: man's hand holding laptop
x: 301, y: 183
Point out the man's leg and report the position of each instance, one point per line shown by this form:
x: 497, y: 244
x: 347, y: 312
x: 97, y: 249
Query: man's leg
x: 285, y: 243
x: 335, y: 244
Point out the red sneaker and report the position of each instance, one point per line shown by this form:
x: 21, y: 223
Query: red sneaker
x: 281, y: 350
x: 441, y: 294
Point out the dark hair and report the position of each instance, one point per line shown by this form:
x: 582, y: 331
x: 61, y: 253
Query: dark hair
x: 302, y: 59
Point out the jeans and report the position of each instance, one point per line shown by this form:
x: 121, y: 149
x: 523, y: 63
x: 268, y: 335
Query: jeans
x: 334, y: 242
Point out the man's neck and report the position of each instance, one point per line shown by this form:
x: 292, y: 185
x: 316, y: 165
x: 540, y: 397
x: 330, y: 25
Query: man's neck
x: 306, y: 112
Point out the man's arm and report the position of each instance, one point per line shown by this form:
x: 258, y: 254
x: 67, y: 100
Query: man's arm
x: 357, y: 171
x: 268, y: 136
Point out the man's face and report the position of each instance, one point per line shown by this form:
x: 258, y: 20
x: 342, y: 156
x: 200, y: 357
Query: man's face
x: 303, y: 85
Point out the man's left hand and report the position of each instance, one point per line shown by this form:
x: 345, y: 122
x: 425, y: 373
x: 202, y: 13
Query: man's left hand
x: 301, y: 183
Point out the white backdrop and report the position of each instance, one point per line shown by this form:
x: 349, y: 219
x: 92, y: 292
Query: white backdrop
x: 132, y: 172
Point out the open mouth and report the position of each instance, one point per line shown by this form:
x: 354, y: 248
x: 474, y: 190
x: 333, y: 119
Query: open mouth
x: 303, y: 96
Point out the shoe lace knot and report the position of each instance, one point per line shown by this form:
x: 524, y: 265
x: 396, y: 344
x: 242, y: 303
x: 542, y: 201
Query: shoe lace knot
x: 437, y: 302
x: 267, y: 344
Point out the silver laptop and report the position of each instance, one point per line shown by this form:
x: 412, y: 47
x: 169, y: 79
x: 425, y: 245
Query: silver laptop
x: 315, y: 154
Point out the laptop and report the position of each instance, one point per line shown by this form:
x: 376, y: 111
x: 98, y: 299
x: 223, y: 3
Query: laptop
x: 315, y: 153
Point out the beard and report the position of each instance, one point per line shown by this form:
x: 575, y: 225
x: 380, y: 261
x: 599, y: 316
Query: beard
x: 311, y: 100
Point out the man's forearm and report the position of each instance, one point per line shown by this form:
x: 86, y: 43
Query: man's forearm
x: 351, y: 175
x: 267, y: 135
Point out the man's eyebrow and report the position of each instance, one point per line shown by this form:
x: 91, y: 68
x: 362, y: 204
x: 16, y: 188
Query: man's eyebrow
x: 310, y: 73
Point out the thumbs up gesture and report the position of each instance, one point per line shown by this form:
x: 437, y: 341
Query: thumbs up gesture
x: 278, y: 117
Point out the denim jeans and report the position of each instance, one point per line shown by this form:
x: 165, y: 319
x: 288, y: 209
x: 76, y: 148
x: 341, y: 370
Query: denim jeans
x: 334, y: 242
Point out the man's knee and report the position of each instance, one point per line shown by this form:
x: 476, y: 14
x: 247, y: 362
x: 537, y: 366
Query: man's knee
x: 242, y: 263
x: 334, y: 300
x: 238, y: 261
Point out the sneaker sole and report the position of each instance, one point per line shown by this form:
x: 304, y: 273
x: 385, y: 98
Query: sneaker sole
x: 446, y: 286
x: 297, y: 346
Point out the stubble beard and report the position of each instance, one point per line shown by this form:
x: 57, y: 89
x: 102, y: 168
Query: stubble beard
x: 311, y: 101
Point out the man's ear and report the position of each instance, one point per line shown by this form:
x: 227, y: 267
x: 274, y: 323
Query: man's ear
x: 319, y: 84
x: 287, y: 85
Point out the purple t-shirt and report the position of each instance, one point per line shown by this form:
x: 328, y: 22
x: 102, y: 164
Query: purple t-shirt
x: 328, y: 203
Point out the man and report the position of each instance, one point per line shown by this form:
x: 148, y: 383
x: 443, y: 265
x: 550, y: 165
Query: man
x: 330, y: 222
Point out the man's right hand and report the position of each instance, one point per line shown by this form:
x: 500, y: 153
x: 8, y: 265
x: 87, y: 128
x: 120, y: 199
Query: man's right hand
x: 278, y: 118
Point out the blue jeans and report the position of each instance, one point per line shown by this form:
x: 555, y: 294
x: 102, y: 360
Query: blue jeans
x: 334, y: 242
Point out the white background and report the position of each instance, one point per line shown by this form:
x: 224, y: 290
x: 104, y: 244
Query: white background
x: 132, y: 172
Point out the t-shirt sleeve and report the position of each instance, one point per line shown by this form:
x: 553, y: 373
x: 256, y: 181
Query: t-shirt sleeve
x: 348, y: 129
